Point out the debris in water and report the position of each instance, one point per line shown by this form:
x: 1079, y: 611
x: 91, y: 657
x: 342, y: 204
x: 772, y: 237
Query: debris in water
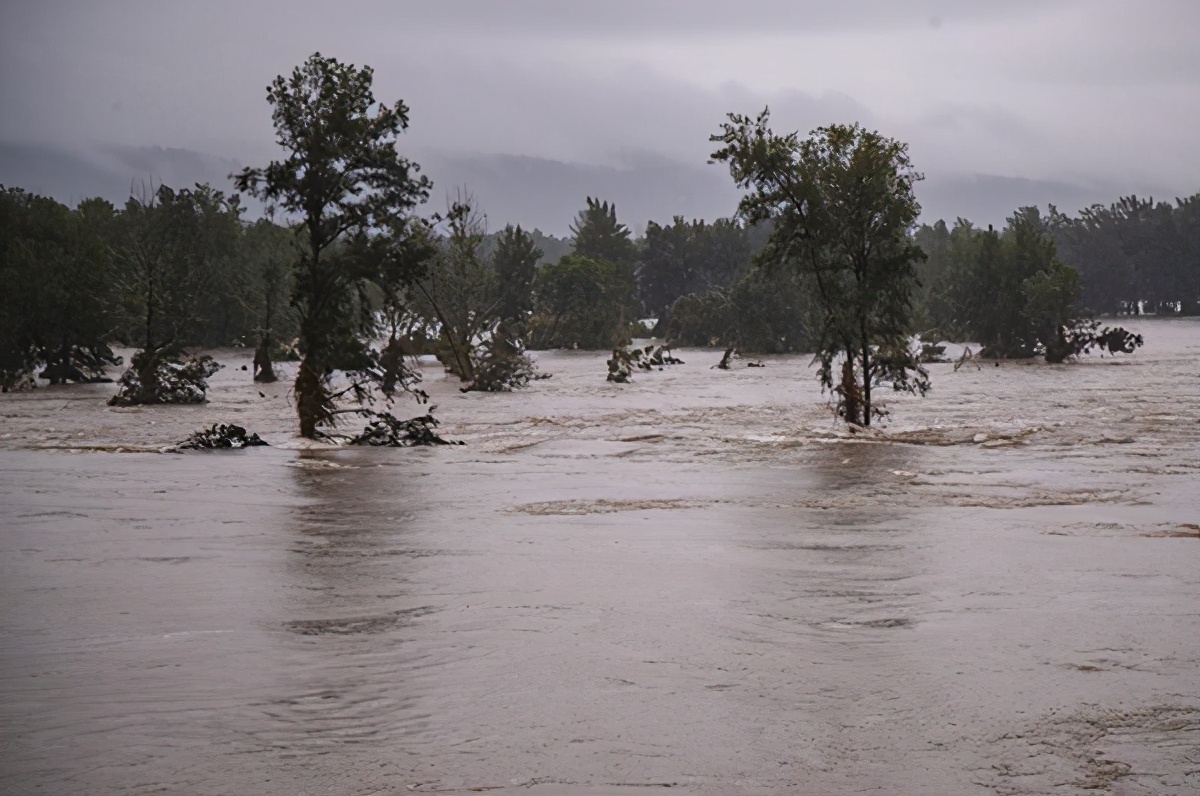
x: 724, y: 363
x: 386, y: 430
x: 932, y: 352
x: 624, y: 360
x: 222, y: 436
x: 968, y: 356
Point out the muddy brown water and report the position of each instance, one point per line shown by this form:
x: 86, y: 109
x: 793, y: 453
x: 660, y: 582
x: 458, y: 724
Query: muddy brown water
x: 696, y: 583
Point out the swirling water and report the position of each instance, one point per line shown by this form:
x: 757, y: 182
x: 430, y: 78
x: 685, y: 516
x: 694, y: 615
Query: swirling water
x: 696, y: 580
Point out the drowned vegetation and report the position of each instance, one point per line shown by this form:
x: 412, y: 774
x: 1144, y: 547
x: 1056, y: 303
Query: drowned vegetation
x: 824, y: 256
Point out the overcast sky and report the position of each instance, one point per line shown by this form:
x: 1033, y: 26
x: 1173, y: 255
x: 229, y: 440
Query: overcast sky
x: 1088, y: 94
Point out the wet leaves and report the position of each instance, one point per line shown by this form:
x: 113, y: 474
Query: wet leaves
x: 222, y: 436
x: 386, y: 430
x: 151, y: 380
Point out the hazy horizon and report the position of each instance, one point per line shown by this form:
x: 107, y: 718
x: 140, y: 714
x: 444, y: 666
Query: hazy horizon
x: 536, y: 105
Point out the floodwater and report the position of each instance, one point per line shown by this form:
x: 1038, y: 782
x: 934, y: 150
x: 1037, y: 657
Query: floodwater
x: 696, y: 583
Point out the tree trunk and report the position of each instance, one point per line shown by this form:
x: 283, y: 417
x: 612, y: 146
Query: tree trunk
x: 851, y: 405
x: 866, y: 376
x: 263, y: 370
x: 312, y: 399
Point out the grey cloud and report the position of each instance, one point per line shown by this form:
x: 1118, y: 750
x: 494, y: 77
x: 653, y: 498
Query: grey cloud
x: 1044, y: 95
x: 637, y: 18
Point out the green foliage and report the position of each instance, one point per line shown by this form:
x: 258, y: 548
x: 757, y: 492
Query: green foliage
x: 178, y: 265
x: 580, y: 303
x: 268, y: 251
x: 703, y: 319
x: 599, y: 236
x: 1048, y: 297
x: 153, y: 378
x: 1134, y: 252
x: 56, y: 298
x: 460, y: 294
x: 500, y: 364
x: 343, y: 176
x: 843, y: 210
x: 552, y: 248
x: 515, y: 259
x: 688, y: 258
x: 476, y: 304
x: 170, y: 270
x: 1006, y: 290
x: 770, y: 312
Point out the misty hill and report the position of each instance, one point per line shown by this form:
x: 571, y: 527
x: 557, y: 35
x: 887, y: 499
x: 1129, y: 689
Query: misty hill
x: 108, y: 172
x: 533, y: 192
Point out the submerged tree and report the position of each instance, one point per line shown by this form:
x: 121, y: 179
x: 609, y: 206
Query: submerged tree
x: 270, y: 251
x: 459, y: 294
x: 843, y: 209
x: 56, y: 296
x: 343, y: 176
x: 1009, y: 291
x: 476, y: 304
x: 176, y: 253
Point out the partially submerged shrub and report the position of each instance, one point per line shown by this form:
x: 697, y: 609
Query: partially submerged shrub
x: 386, y: 430
x: 150, y: 380
x: 624, y: 360
x: 620, y: 366
x: 17, y: 380
x: 500, y: 365
x: 80, y: 364
x: 223, y: 436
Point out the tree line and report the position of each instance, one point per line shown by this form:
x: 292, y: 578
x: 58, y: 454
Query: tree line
x: 824, y: 256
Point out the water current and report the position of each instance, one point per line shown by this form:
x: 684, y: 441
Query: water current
x: 696, y: 583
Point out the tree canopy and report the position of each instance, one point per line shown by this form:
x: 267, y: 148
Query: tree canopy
x: 599, y: 236
x: 842, y: 206
x: 345, y: 179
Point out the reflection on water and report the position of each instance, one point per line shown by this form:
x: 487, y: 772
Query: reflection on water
x: 695, y: 580
x: 348, y: 570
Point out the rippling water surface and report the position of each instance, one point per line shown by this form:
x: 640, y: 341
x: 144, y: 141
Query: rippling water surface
x: 697, y: 580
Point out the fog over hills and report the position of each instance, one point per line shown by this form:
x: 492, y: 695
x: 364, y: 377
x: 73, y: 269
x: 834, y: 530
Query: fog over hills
x: 533, y: 192
x: 534, y: 105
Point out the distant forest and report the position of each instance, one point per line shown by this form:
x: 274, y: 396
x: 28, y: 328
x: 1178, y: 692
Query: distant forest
x: 185, y: 266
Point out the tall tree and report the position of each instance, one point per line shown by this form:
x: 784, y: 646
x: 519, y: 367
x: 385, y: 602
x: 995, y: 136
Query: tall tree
x: 459, y: 294
x: 599, y: 236
x: 268, y: 254
x: 515, y: 258
x: 668, y: 262
x: 843, y: 209
x: 1134, y: 254
x: 342, y: 175
x: 174, y: 250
